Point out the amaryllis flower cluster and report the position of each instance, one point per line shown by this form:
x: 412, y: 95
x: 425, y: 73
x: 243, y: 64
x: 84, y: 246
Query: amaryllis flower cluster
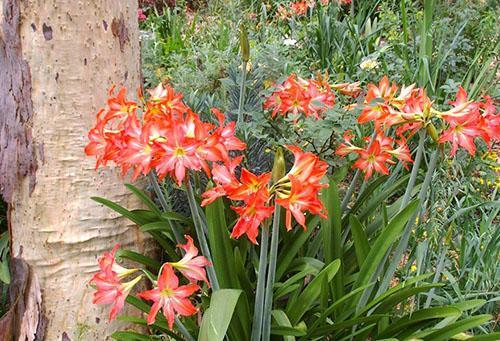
x: 299, y: 8
x: 410, y: 110
x: 110, y: 288
x: 297, y: 96
x: 470, y: 120
x: 169, y: 136
x: 376, y: 155
x: 166, y: 294
x: 297, y: 192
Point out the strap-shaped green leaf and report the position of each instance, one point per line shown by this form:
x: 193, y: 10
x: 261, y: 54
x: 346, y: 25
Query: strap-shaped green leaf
x: 457, y: 327
x: 361, y: 244
x: 217, y: 317
x: 308, y: 297
x: 417, y: 317
x: 383, y: 243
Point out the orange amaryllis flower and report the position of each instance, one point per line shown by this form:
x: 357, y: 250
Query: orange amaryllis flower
x: 491, y: 121
x: 297, y: 96
x: 251, y: 215
x: 302, y: 197
x: 108, y: 283
x: 299, y: 7
x: 298, y: 191
x: 169, y: 137
x: 164, y: 102
x: 376, y: 103
x: 191, y: 265
x: 373, y: 159
x: 225, y: 180
x: 462, y: 132
x: 347, y: 148
x: 251, y: 185
x: 307, y: 167
x: 378, y: 153
x: 401, y: 153
x: 170, y: 297
x: 348, y: 89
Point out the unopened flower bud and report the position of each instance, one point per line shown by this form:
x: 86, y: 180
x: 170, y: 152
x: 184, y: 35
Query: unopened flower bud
x: 244, y: 45
x: 431, y: 130
x: 278, y: 166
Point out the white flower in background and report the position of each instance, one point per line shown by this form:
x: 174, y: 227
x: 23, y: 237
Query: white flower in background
x: 289, y: 42
x: 368, y: 64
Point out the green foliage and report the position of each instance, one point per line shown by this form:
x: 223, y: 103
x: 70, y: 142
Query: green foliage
x: 330, y: 278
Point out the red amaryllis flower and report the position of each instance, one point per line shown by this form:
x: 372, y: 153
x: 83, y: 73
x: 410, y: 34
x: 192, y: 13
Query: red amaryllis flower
x: 298, y: 191
x: 462, y: 132
x: 225, y: 180
x: 376, y: 103
x: 170, y: 297
x: 307, y: 167
x: 348, y: 89
x: 191, y: 265
x: 108, y: 283
x: 373, y: 159
x: 468, y: 120
x: 491, y: 121
x: 347, y: 148
x: 401, y: 153
x: 110, y: 290
x: 164, y: 102
x: 251, y: 215
x: 299, y: 7
x: 170, y: 137
x: 297, y: 96
x: 378, y: 153
x: 251, y: 185
x: 302, y: 197
x: 176, y: 154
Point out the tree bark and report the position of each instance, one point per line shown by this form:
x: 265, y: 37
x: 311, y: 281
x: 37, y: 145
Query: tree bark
x: 56, y: 77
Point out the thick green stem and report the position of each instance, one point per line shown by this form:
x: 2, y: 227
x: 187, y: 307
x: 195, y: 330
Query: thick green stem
x: 199, y: 227
x: 414, y: 171
x: 164, y: 205
x: 354, y: 181
x: 271, y: 275
x: 350, y: 190
x: 183, y: 330
x: 261, y: 282
x: 242, y: 93
x: 403, y: 243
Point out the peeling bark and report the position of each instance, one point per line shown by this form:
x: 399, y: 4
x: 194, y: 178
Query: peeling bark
x: 17, y: 150
x: 58, y: 230
x: 24, y: 320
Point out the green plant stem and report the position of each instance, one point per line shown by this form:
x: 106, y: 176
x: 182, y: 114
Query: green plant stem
x: 414, y: 171
x: 403, y: 243
x: 437, y: 275
x: 261, y: 281
x: 271, y: 274
x: 198, y: 225
x: 183, y: 330
x: 350, y: 190
x: 153, y: 179
x: 354, y: 181
x: 241, y: 101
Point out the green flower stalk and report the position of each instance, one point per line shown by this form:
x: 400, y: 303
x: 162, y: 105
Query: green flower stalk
x: 245, y: 57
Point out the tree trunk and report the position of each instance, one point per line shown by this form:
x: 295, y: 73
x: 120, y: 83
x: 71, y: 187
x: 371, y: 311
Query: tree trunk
x: 57, y: 59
